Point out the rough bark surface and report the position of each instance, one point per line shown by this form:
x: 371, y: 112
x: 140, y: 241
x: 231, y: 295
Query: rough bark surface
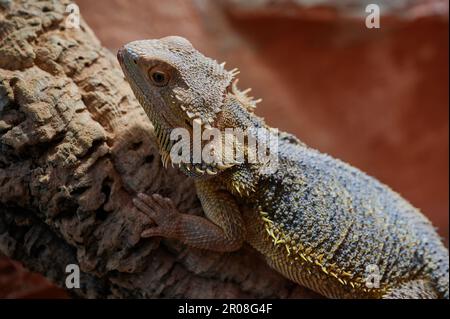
x: 75, y: 147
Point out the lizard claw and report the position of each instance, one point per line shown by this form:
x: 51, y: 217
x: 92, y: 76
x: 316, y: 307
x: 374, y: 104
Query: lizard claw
x: 161, y: 210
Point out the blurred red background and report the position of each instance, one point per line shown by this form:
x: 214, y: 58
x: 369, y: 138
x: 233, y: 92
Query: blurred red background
x: 376, y: 98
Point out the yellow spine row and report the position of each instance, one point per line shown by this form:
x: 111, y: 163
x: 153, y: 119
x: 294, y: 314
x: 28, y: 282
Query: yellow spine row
x: 298, y: 253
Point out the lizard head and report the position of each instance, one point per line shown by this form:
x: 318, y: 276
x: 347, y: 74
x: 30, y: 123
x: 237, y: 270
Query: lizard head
x: 176, y: 85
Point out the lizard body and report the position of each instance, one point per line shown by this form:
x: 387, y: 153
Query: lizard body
x: 317, y: 220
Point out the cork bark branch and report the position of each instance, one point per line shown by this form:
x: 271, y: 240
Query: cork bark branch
x: 75, y: 147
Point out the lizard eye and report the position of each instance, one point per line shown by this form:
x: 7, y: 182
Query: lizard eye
x: 158, y: 77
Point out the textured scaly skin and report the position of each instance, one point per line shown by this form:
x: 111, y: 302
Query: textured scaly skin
x: 320, y: 222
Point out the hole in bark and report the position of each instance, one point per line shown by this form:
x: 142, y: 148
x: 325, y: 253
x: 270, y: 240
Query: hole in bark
x: 106, y: 187
x: 101, y: 214
x: 79, y: 190
x: 136, y: 145
x: 67, y: 206
x: 93, y: 148
x: 149, y: 158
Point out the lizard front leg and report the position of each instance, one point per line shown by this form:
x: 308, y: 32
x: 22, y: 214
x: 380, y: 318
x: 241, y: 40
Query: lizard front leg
x: 222, y: 230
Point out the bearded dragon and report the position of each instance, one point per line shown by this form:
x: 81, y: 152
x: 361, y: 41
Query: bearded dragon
x: 316, y: 220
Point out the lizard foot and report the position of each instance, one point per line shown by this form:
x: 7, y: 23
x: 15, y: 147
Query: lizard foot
x: 162, y: 211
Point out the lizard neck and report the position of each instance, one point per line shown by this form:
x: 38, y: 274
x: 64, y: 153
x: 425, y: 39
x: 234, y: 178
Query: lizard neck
x: 241, y: 179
